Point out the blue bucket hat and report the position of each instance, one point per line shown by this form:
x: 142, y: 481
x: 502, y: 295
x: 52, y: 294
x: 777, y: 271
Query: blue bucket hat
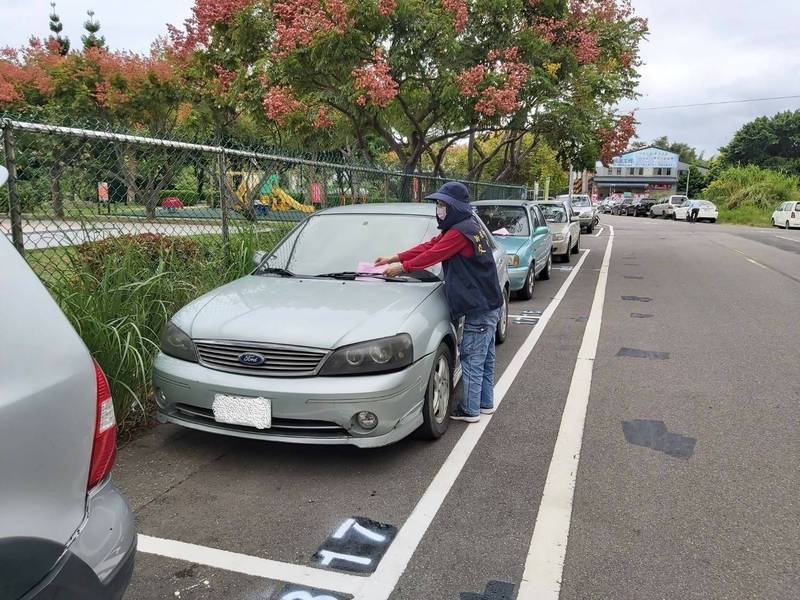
x: 450, y: 192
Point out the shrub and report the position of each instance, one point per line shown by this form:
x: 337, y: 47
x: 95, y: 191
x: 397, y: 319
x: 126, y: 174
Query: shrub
x: 743, y: 186
x: 119, y: 292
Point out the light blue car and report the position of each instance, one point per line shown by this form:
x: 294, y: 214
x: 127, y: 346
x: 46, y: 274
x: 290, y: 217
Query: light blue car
x: 521, y: 228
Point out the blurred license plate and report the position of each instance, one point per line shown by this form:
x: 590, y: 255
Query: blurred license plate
x: 242, y: 410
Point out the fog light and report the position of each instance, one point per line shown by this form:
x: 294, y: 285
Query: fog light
x: 161, y: 397
x: 367, y: 420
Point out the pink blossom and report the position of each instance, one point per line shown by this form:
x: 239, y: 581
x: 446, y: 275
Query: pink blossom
x: 457, y: 8
x: 386, y: 7
x: 279, y: 102
x: 615, y: 140
x: 299, y: 22
x: 376, y: 80
x: 323, y: 119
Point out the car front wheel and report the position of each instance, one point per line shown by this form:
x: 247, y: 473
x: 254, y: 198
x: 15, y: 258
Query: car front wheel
x: 526, y: 293
x: 436, y: 409
x: 544, y: 274
x: 565, y: 256
x: 502, y: 324
x: 577, y: 247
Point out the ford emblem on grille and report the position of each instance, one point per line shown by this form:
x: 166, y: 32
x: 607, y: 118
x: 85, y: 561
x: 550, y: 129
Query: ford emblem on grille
x: 251, y: 359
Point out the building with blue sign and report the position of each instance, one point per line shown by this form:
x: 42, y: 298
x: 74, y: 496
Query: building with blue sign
x: 649, y: 171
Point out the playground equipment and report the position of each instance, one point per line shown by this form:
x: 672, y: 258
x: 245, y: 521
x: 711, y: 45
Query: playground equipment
x: 270, y: 196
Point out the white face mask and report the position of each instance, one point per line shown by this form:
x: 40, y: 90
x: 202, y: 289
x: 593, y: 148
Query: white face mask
x: 441, y: 212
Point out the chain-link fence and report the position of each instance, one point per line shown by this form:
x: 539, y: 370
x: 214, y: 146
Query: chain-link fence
x: 69, y: 186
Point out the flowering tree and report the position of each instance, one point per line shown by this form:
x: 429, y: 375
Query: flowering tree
x: 422, y: 75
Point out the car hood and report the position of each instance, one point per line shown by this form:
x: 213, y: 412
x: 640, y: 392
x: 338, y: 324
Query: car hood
x: 512, y: 243
x: 318, y: 313
x: 584, y: 210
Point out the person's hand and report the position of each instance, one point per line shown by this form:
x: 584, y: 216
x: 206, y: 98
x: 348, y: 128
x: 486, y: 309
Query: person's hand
x: 394, y: 270
x: 385, y: 260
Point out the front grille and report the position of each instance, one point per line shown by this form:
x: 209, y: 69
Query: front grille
x: 285, y: 427
x: 279, y: 361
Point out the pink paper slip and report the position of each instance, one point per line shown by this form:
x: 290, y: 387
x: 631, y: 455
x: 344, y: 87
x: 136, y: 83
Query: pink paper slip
x: 367, y: 268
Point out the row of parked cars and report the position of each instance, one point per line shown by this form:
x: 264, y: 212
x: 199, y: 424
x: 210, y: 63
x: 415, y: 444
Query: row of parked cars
x: 674, y: 207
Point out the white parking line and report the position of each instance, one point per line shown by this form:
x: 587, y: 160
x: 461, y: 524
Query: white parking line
x: 381, y: 584
x: 755, y: 262
x: 250, y: 565
x: 599, y: 231
x: 790, y: 239
x: 544, y: 566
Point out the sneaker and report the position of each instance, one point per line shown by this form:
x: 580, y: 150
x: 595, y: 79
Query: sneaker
x: 460, y: 415
x: 487, y: 411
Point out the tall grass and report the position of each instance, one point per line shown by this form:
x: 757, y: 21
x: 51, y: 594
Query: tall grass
x: 119, y: 293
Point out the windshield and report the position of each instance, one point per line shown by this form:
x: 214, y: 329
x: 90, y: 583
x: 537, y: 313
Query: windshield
x: 554, y: 213
x: 334, y: 243
x: 581, y: 202
x: 505, y: 220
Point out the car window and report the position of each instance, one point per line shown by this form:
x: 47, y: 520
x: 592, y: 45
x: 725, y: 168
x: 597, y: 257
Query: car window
x: 578, y: 201
x: 513, y: 219
x: 706, y: 204
x: 554, y: 213
x: 538, y: 216
x: 331, y: 243
x: 797, y: 207
x: 488, y: 234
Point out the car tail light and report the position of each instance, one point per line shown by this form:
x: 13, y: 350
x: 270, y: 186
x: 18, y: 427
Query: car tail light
x: 104, y: 449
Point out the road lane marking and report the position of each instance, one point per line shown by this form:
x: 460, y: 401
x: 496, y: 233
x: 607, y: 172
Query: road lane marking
x: 249, y: 565
x: 381, y: 584
x: 599, y: 231
x: 544, y: 566
x: 756, y: 263
x: 790, y: 239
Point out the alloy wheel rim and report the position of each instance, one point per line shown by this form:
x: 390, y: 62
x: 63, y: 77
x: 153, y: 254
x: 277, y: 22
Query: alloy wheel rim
x: 441, y: 389
x: 504, y: 316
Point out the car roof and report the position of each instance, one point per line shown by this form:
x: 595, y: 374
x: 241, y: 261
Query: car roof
x: 501, y: 203
x: 425, y: 209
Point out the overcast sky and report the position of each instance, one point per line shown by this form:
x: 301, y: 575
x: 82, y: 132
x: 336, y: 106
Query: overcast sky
x: 698, y: 51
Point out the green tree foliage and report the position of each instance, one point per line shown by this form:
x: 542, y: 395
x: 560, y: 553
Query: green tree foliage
x: 771, y: 142
x: 59, y: 43
x: 741, y: 187
x: 92, y: 27
x: 697, y: 182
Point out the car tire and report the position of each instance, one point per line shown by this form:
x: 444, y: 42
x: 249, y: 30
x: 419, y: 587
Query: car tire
x: 502, y: 325
x: 544, y: 274
x: 526, y: 293
x: 438, y: 395
x: 577, y: 247
x: 713, y: 220
x: 565, y: 257
x: 652, y: 215
x: 590, y: 229
x: 773, y: 222
x: 787, y: 226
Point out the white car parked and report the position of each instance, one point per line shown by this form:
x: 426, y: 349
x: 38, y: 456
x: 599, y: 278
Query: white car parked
x: 667, y: 208
x: 787, y: 215
x: 708, y: 211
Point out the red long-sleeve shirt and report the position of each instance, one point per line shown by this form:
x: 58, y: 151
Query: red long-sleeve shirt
x: 443, y: 246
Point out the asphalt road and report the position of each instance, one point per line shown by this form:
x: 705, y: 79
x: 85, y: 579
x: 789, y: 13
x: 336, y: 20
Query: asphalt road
x: 686, y: 485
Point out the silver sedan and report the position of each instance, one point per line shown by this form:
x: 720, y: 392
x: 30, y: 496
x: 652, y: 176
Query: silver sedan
x: 311, y: 349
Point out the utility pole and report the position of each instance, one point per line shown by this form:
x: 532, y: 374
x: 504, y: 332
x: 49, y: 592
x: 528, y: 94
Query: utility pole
x: 571, y: 181
x: 688, y: 175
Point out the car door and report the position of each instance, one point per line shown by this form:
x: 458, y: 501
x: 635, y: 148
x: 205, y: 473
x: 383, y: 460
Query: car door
x: 780, y: 217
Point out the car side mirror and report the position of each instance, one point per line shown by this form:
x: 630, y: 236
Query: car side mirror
x: 258, y: 258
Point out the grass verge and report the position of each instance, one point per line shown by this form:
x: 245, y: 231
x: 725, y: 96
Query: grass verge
x: 746, y: 215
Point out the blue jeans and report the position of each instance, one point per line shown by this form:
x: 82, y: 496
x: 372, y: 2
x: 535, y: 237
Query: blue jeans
x: 477, y: 361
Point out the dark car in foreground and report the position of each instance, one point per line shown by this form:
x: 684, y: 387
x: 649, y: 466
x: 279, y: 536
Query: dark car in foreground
x: 642, y: 207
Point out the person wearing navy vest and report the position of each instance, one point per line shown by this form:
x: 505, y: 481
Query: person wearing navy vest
x: 472, y: 289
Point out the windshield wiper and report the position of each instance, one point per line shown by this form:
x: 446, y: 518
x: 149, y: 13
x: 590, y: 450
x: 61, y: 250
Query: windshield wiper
x: 276, y: 271
x: 352, y: 275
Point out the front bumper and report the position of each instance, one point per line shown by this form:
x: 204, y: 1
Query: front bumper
x: 561, y: 247
x: 306, y: 410
x: 516, y: 277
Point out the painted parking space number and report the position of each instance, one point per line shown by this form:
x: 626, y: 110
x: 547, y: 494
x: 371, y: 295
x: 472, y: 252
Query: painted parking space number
x: 357, y: 545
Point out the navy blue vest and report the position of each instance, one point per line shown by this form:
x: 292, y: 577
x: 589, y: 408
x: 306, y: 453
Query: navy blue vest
x: 471, y: 283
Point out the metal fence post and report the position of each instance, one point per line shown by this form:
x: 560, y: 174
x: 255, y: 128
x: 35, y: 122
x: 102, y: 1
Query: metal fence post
x: 15, y: 212
x: 223, y: 196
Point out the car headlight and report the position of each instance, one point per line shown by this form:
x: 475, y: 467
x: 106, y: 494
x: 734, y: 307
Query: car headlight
x: 557, y: 237
x: 175, y: 343
x: 376, y: 356
x: 513, y: 260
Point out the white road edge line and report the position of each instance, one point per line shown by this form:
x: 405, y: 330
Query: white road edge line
x: 599, y: 231
x: 250, y: 565
x: 755, y: 262
x: 382, y: 582
x: 544, y: 566
x: 790, y: 239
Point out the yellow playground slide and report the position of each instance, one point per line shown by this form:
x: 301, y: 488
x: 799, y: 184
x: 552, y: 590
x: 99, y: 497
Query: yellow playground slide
x: 283, y: 201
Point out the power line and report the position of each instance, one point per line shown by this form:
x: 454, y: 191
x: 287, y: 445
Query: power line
x: 716, y: 103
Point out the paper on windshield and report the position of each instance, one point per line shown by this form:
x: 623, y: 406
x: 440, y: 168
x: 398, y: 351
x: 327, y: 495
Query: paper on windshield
x: 502, y: 231
x: 368, y: 268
